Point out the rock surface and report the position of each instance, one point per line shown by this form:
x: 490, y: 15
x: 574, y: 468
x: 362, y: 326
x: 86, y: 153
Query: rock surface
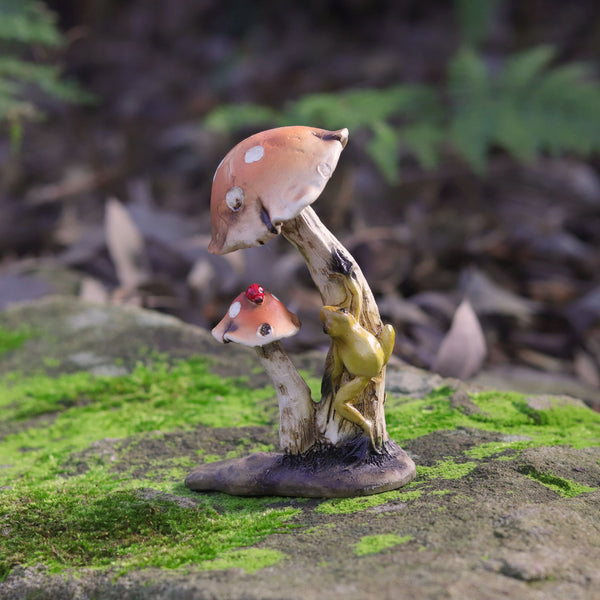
x: 102, y: 418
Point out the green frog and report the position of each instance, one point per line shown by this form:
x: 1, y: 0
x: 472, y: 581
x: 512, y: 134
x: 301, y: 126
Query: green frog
x: 356, y: 350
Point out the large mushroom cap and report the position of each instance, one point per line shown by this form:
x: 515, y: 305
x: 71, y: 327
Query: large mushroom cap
x: 256, y: 318
x: 267, y: 179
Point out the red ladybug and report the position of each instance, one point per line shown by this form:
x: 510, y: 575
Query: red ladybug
x: 255, y: 293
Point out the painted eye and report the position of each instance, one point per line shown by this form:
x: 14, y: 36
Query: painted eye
x: 234, y: 198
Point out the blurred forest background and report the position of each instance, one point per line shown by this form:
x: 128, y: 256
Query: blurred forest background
x: 469, y: 191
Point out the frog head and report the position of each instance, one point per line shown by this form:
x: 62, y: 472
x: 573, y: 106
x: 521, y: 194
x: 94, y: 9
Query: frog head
x: 336, y: 321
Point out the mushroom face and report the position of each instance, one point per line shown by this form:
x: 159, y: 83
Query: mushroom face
x: 267, y: 179
x: 256, y: 320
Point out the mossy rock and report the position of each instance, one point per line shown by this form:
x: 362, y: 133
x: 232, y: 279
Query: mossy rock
x: 105, y: 410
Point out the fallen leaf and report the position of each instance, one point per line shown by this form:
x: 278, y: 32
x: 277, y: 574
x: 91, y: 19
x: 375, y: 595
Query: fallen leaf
x: 587, y: 369
x: 488, y: 298
x: 125, y: 245
x: 463, y: 349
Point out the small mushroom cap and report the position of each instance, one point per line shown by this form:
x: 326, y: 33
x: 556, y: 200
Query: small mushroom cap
x: 267, y: 179
x: 256, y: 324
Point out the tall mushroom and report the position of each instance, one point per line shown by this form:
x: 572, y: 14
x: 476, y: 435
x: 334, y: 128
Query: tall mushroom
x: 258, y: 319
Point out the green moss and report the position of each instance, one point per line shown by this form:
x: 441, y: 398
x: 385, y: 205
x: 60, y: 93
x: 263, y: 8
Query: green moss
x: 408, y: 419
x: 210, y: 458
x: 492, y: 448
x: 81, y: 408
x: 75, y: 524
x: 342, y: 506
x: 565, y: 487
x: 501, y: 412
x: 248, y: 559
x: 445, y: 469
x: 54, y: 514
x: 373, y: 544
x: 11, y: 339
x: 51, y: 515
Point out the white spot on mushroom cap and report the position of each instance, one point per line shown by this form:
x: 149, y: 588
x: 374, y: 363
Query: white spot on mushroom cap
x: 234, y: 310
x: 254, y: 154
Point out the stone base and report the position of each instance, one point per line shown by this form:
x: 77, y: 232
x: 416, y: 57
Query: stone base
x: 325, y: 472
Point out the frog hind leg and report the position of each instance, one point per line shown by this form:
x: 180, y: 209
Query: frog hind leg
x: 343, y: 404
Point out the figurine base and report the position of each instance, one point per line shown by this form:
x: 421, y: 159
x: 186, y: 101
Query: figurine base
x: 324, y: 472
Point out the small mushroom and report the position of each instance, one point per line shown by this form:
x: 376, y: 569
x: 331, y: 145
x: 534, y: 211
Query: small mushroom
x: 257, y: 318
x: 267, y: 179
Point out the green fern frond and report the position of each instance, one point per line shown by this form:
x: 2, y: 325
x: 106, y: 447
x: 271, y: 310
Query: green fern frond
x: 527, y: 107
x: 383, y: 150
x: 424, y: 139
x: 235, y: 116
x: 24, y: 23
x: 28, y: 22
x: 522, y: 69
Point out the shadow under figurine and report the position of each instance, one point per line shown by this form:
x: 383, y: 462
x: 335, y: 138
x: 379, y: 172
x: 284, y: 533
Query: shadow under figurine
x: 338, y: 446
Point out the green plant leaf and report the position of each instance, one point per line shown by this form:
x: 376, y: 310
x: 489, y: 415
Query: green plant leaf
x: 28, y: 22
x: 383, y: 149
x: 424, y: 140
x: 522, y: 69
x: 468, y: 80
x: 230, y: 117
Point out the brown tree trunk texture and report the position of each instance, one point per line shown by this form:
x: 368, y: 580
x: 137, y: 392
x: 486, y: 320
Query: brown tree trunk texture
x: 326, y: 258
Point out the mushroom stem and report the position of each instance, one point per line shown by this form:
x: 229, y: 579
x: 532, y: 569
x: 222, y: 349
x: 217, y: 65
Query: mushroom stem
x: 326, y: 259
x: 296, y: 407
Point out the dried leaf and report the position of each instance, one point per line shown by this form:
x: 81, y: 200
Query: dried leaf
x: 587, y: 369
x: 463, y: 350
x: 487, y: 297
x: 125, y: 245
x: 403, y: 311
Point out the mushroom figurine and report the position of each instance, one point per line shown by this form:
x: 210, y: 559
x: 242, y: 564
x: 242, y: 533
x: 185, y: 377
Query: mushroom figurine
x: 264, y: 187
x: 258, y: 319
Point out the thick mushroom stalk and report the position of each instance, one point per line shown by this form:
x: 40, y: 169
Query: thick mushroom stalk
x: 258, y: 319
x: 327, y: 259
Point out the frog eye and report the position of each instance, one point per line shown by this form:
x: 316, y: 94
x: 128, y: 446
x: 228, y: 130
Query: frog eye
x: 344, y: 310
x: 234, y: 198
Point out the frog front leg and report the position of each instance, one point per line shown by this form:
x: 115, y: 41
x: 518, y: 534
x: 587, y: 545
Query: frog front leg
x: 343, y: 405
